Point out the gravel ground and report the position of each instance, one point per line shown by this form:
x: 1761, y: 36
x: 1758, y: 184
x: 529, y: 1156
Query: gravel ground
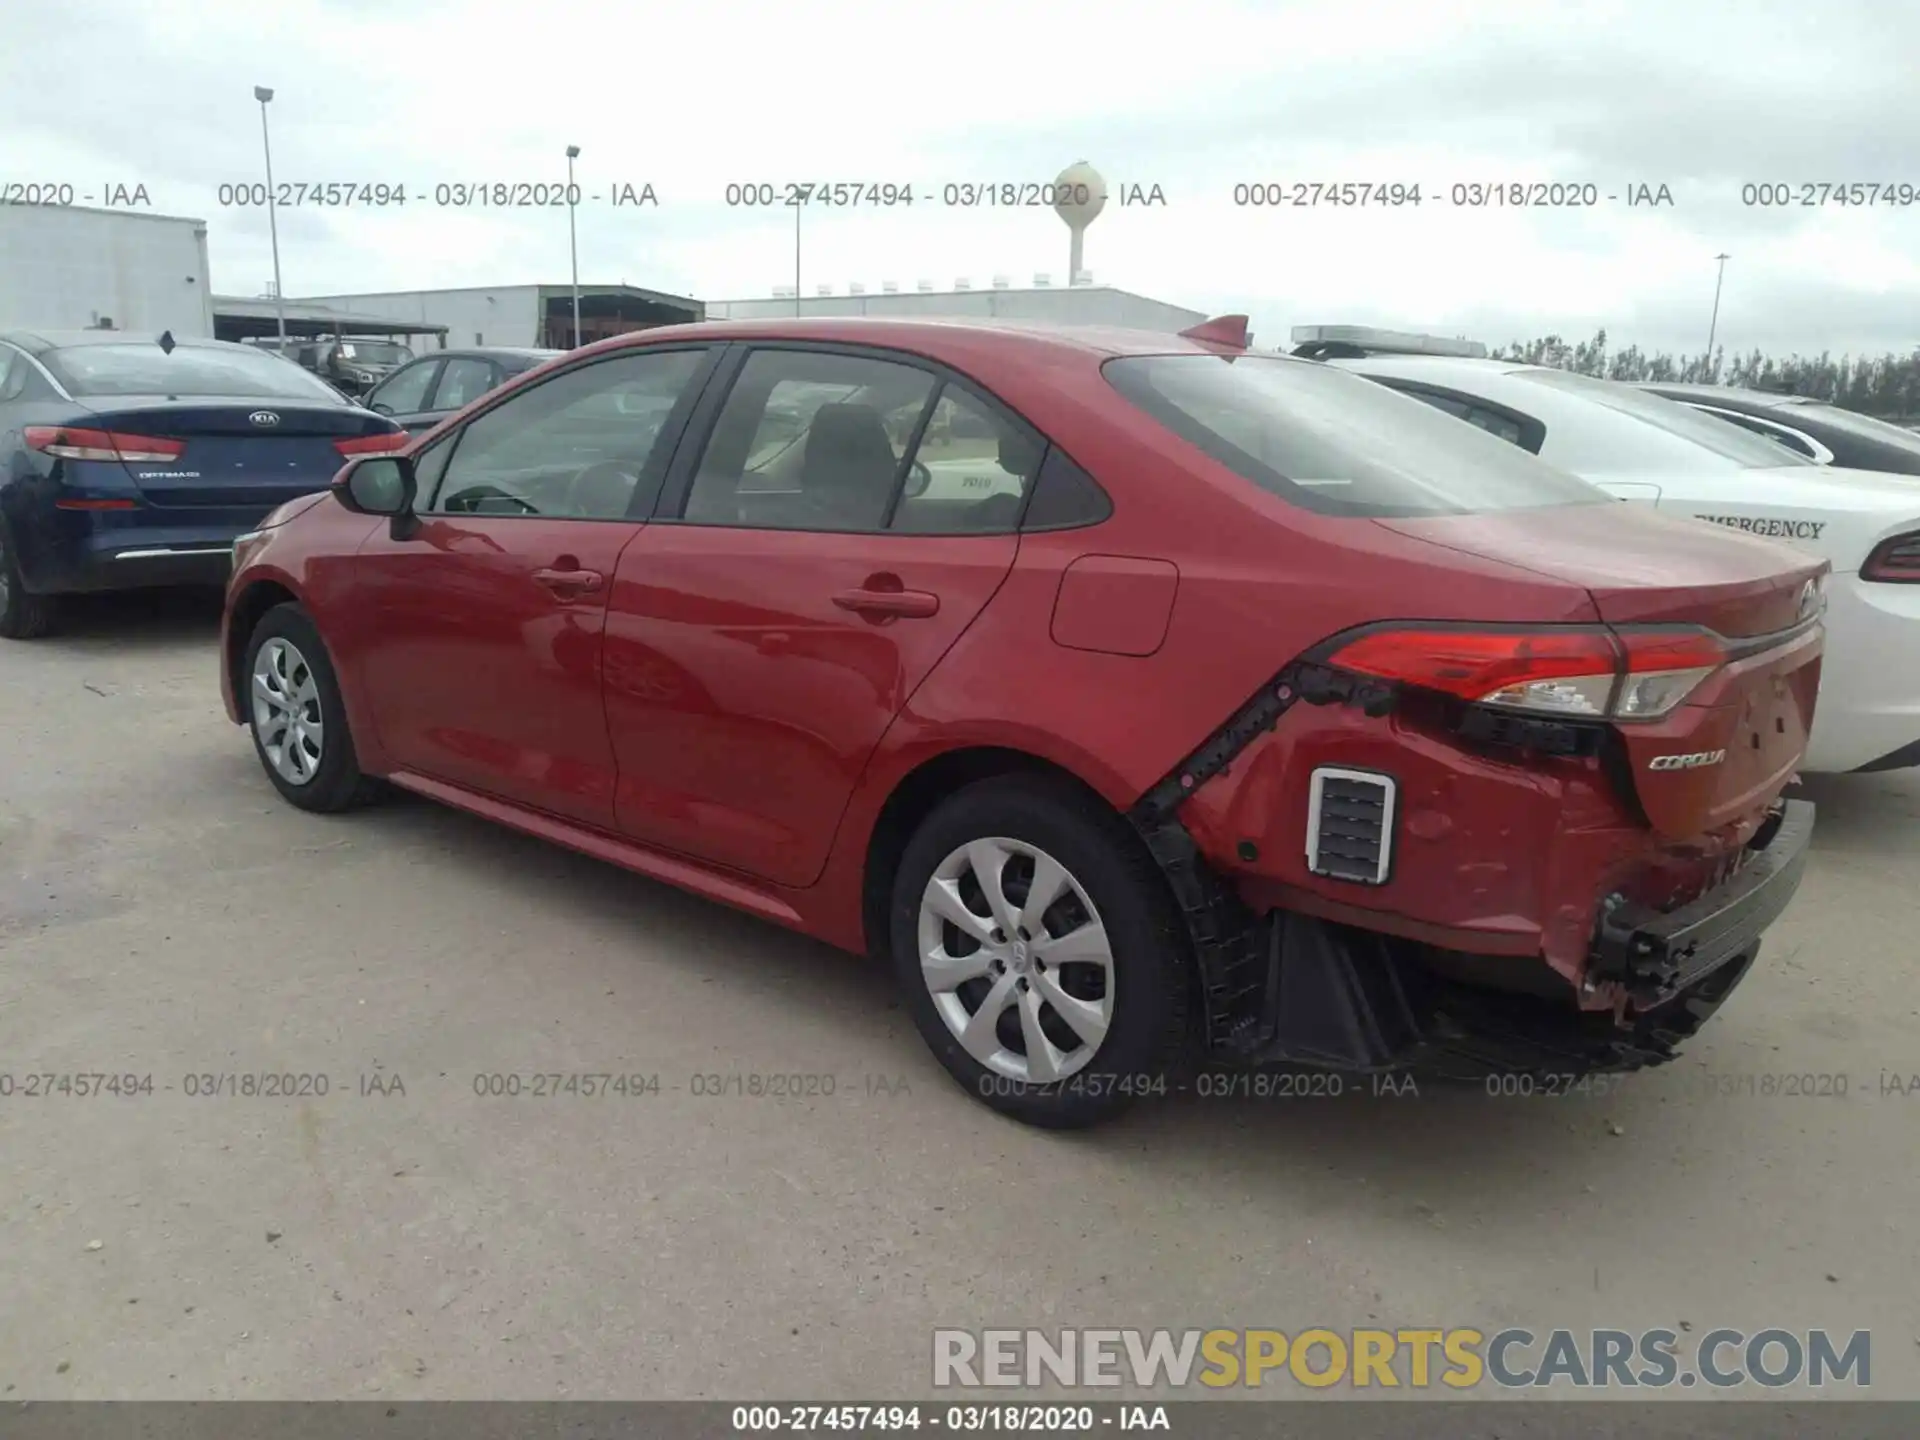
x: 163, y: 914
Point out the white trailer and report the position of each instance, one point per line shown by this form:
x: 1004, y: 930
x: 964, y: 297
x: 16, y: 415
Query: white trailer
x: 70, y: 267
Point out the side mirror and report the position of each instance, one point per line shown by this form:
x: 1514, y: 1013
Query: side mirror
x: 376, y: 485
x: 380, y: 407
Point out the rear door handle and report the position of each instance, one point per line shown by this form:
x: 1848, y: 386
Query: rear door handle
x: 570, y: 582
x: 877, y: 604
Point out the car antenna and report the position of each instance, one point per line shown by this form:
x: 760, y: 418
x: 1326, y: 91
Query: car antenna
x: 1227, y: 330
x: 166, y: 342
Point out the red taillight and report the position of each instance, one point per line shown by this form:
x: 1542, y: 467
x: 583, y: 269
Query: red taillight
x: 68, y: 443
x: 1572, y: 672
x: 75, y: 502
x: 1895, y: 561
x: 373, y: 444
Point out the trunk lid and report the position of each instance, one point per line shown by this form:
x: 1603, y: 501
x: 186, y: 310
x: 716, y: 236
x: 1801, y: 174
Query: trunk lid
x: 233, y: 455
x: 1722, y: 756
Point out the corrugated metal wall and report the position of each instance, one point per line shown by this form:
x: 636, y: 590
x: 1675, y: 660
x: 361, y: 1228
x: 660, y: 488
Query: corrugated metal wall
x: 509, y: 315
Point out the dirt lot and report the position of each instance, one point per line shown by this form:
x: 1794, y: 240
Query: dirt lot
x: 163, y: 914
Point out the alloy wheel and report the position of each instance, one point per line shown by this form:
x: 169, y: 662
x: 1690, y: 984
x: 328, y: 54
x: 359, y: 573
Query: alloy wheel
x: 286, y: 711
x: 1017, y: 960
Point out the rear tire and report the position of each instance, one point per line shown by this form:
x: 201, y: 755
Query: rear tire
x: 297, y: 717
x: 23, y: 616
x: 1094, y: 982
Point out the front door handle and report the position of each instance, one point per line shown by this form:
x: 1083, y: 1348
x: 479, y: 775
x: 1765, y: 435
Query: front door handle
x: 570, y: 582
x: 886, y: 604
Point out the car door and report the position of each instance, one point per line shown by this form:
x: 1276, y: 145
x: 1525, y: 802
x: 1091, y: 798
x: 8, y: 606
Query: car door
x: 404, y: 394
x: 801, y: 580
x: 482, y: 625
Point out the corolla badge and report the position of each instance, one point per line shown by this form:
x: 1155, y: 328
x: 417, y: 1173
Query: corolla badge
x: 264, y: 417
x: 1694, y: 761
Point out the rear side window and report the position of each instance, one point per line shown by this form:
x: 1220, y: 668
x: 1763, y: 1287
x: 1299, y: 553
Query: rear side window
x: 1338, y: 444
x: 241, y: 371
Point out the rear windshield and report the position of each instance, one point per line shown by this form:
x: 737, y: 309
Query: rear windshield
x: 375, y: 352
x: 242, y: 371
x: 1722, y: 437
x: 1336, y: 443
x: 1848, y: 422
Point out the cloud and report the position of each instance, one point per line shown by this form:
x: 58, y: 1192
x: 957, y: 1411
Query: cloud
x: 1703, y: 98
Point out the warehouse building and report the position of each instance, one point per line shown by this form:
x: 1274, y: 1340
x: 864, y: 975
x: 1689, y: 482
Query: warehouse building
x: 537, y: 316
x: 1080, y: 304
x: 78, y: 267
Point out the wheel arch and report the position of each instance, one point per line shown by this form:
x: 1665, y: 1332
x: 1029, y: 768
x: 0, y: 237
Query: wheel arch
x: 918, y: 792
x: 244, y: 612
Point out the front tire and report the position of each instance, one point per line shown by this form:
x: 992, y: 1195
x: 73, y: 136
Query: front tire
x: 22, y: 616
x: 296, y: 715
x: 1039, y: 952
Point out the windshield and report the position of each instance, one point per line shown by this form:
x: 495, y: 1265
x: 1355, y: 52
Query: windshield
x: 374, y: 352
x: 1849, y: 422
x: 1722, y: 438
x: 1336, y: 443
x: 240, y: 371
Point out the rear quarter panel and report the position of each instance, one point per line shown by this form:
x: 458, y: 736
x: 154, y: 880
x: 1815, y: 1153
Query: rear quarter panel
x: 1260, y: 581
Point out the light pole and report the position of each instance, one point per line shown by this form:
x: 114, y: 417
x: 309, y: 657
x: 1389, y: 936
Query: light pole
x: 573, y: 243
x: 796, y: 257
x: 1713, y: 325
x: 263, y: 95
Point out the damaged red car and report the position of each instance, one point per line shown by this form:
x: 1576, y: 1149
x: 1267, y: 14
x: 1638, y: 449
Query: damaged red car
x: 1143, y: 700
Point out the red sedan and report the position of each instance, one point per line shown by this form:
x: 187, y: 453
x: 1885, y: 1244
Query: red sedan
x: 1142, y: 699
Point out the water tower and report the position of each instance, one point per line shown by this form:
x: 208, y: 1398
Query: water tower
x: 1079, y: 195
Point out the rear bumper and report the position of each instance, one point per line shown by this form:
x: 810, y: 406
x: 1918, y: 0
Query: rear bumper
x: 145, y: 565
x: 1348, y: 999
x: 1655, y: 956
x: 74, y: 551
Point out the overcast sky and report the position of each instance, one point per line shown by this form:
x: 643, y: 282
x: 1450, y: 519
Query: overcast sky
x: 1699, y: 96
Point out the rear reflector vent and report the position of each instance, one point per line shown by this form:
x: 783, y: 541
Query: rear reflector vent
x: 1350, y: 825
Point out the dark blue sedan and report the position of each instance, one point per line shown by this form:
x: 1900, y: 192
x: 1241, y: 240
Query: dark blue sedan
x: 129, y: 460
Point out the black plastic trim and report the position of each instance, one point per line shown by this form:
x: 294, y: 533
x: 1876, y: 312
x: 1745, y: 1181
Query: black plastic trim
x: 1657, y: 955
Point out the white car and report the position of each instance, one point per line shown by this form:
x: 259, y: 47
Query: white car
x: 1657, y: 452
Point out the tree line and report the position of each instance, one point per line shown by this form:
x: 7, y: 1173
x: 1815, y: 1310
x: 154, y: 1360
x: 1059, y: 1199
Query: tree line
x: 1888, y: 386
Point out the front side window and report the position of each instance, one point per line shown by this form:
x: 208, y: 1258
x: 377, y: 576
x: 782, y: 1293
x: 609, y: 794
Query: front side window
x: 1337, y: 443
x: 578, y: 446
x: 240, y: 372
x: 405, y: 391
x: 810, y: 441
x: 464, y: 381
x: 1491, y: 421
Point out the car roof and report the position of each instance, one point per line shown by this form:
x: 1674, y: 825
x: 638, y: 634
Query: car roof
x: 39, y: 341
x: 932, y: 337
